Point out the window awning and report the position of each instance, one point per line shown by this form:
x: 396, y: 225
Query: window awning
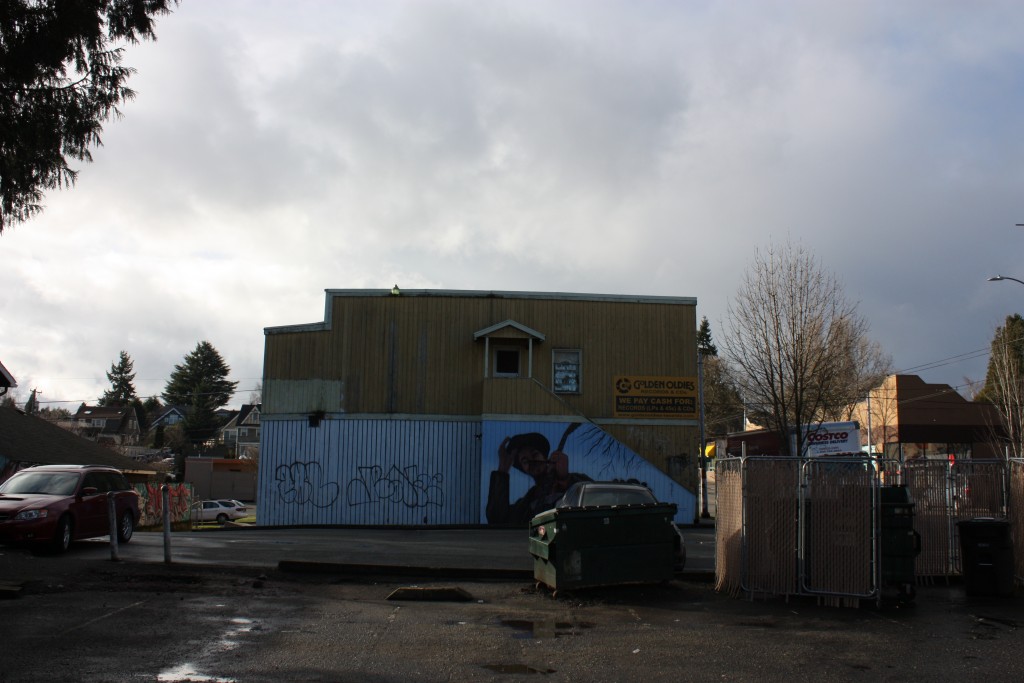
x: 508, y: 329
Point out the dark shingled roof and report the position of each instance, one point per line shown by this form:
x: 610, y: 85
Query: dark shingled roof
x: 29, y: 439
x: 6, y: 378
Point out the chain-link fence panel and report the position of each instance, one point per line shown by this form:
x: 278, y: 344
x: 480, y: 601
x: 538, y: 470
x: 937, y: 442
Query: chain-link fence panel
x: 839, y: 523
x: 771, y: 512
x: 929, y: 485
x: 729, y: 525
x: 1015, y: 504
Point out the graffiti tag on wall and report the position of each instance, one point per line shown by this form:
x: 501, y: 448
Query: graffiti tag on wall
x: 404, y: 486
x: 303, y: 483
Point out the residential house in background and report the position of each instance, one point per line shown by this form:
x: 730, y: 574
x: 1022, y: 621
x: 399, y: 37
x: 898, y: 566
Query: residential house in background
x: 241, y: 434
x: 27, y: 440
x: 7, y: 381
x: 227, y: 435
x: 475, y: 407
x: 167, y: 417
x: 108, y: 425
x: 248, y: 422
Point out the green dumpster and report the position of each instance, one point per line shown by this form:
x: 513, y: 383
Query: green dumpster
x: 582, y: 547
x: 899, y: 544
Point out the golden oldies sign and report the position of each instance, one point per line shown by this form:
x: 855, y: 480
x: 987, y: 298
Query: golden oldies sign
x: 668, y: 397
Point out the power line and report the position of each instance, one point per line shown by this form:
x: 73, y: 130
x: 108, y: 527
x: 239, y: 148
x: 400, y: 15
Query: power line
x: 157, y: 396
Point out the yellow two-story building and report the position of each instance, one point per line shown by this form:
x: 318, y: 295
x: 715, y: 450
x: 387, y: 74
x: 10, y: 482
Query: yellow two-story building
x: 435, y: 407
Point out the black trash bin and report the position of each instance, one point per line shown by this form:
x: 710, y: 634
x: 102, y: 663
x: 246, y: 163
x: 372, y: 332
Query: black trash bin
x: 986, y: 556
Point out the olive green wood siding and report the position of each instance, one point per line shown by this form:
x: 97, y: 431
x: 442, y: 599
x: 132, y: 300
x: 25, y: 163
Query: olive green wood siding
x: 507, y: 396
x: 415, y: 354
x: 660, y: 444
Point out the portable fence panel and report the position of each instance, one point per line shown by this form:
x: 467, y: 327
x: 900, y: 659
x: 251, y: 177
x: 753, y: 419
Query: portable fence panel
x: 729, y: 525
x: 928, y: 482
x: 978, y: 488
x: 945, y: 493
x: 1016, y: 516
x: 792, y: 526
x: 839, y: 517
x: 771, y: 497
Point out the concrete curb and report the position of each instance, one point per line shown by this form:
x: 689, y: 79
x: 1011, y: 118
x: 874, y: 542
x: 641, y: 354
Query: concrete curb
x: 405, y: 571
x: 483, y: 573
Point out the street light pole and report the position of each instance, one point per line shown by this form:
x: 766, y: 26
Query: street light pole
x: 1000, y: 278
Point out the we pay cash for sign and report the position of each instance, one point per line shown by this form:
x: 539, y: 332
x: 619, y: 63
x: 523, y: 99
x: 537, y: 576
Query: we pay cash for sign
x: 643, y: 396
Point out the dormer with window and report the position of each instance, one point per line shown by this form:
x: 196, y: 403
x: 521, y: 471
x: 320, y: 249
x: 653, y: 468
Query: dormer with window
x: 508, y: 349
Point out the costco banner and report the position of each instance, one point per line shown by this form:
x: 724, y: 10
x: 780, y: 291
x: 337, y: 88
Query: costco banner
x: 831, y: 438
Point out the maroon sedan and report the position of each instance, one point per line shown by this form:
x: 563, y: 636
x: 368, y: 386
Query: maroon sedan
x: 55, y: 504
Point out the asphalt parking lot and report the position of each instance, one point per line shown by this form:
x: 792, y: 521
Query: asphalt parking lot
x: 82, y: 617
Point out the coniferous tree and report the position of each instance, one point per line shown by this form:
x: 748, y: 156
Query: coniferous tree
x: 32, y: 404
x: 54, y: 414
x: 151, y: 406
x: 200, y: 383
x: 61, y: 77
x: 1007, y: 345
x: 704, y: 343
x: 122, y: 382
x: 1004, y: 384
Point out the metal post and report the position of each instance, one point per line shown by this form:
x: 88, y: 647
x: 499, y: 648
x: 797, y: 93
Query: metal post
x: 704, y: 513
x: 165, y: 490
x: 871, y: 436
x: 112, y: 515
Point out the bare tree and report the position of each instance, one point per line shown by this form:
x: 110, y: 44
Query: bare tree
x: 1005, y: 389
x: 11, y: 398
x: 863, y: 365
x: 723, y: 403
x: 795, y: 340
x: 256, y: 395
x: 879, y: 411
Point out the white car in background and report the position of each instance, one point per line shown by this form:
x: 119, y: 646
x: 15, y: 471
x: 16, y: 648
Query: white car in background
x: 220, y: 511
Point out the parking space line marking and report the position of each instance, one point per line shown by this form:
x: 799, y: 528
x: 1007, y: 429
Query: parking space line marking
x: 100, y: 618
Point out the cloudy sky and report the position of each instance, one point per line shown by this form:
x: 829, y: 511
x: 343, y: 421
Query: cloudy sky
x: 278, y: 149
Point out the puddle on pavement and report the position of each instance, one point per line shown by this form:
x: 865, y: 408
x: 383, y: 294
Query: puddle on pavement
x: 517, y: 669
x: 187, y: 672
x: 544, y: 628
x: 241, y: 627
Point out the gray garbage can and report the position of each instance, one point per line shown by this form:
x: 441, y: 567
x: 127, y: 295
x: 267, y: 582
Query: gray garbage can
x: 986, y: 556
